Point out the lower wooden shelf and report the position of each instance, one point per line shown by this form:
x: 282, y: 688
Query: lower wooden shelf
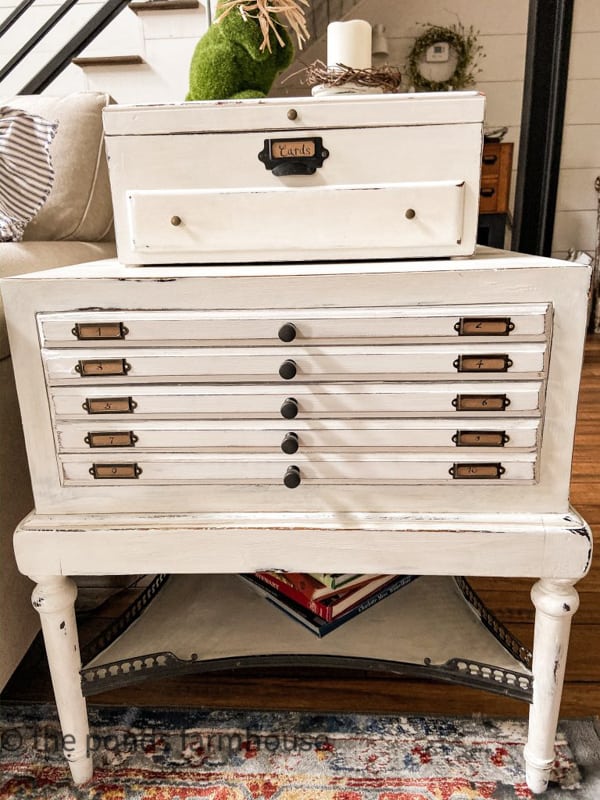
x: 434, y: 627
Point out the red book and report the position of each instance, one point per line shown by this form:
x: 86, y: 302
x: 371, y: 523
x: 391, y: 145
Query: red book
x: 300, y: 587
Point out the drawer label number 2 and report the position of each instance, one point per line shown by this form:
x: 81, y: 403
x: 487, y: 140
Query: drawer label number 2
x: 484, y: 326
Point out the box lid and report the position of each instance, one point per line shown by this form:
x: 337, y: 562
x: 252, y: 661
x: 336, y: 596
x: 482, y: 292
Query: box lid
x: 296, y: 113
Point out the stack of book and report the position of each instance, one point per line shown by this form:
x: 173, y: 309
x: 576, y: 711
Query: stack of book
x: 324, y: 601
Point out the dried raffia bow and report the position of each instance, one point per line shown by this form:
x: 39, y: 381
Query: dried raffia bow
x: 289, y: 13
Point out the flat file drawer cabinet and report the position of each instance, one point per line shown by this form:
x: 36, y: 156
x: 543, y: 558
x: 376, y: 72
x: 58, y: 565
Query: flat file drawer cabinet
x: 401, y: 417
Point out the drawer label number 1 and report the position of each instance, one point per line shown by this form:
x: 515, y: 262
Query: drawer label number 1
x: 87, y: 331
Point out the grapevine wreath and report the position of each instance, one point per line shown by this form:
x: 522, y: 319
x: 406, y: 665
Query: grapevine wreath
x: 465, y: 45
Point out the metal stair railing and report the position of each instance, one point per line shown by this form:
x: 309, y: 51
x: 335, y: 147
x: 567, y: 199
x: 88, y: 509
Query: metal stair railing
x: 78, y: 42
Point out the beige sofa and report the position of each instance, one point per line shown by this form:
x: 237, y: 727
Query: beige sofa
x: 74, y: 226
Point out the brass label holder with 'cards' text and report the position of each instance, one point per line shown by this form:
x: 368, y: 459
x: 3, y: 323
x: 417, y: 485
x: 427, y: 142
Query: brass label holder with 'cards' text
x: 293, y: 156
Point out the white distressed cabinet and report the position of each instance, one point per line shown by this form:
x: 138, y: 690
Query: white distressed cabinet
x: 397, y: 416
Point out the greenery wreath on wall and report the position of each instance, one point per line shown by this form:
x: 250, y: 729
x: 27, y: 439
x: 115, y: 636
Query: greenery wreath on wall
x: 462, y: 42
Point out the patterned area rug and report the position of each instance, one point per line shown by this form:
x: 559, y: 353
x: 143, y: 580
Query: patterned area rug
x: 168, y: 754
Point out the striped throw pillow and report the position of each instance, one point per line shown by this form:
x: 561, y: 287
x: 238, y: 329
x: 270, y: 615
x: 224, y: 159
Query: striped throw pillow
x: 26, y: 173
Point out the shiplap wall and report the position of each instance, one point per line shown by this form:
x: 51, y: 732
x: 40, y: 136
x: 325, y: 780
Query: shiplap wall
x: 166, y: 40
x: 502, y: 26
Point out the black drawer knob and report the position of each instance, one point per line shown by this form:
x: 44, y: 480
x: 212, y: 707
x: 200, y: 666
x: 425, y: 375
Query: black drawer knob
x: 292, y: 477
x: 289, y: 408
x: 290, y: 443
x: 287, y: 332
x: 288, y: 369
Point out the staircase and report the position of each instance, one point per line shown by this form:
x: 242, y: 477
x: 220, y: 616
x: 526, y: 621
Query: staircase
x: 137, y: 51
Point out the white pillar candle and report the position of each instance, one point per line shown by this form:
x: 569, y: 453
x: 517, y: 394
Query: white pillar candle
x: 349, y: 43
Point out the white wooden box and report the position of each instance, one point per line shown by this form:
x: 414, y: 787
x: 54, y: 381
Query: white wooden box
x: 361, y: 177
x: 416, y: 386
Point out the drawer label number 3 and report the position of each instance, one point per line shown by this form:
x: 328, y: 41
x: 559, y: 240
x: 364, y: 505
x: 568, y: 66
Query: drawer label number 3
x: 102, y: 366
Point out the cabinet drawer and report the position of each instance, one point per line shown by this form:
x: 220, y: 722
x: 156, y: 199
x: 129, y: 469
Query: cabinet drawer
x: 196, y: 222
x: 301, y: 363
x: 296, y: 435
x: 293, y: 325
x: 342, y: 400
x: 319, y: 469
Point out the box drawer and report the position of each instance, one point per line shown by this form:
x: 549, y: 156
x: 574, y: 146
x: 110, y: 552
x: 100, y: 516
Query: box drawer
x: 237, y: 224
x: 315, y: 325
x: 343, y: 400
x: 297, y: 469
x: 295, y: 436
x: 289, y: 365
x: 190, y: 181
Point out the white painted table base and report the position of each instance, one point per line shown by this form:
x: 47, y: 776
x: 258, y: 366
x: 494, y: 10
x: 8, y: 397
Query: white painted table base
x: 550, y: 547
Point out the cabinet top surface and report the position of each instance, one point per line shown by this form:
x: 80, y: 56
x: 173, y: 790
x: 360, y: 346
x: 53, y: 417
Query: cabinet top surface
x: 255, y: 114
x: 485, y: 259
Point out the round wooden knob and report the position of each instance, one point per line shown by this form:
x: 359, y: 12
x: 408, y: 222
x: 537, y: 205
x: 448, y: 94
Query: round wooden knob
x: 175, y: 220
x: 410, y: 213
x: 288, y: 369
x: 292, y: 114
x: 289, y: 408
x: 292, y: 477
x: 290, y: 443
x: 287, y: 332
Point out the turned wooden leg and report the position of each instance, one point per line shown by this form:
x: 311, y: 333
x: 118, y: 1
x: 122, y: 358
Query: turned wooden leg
x: 555, y: 603
x: 54, y: 598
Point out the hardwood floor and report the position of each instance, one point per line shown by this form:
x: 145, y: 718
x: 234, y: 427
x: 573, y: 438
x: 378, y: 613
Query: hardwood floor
x: 343, y: 691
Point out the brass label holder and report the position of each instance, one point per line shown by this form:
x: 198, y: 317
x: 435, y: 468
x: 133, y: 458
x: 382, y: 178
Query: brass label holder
x: 99, y: 367
x: 477, y: 471
x: 94, y: 331
x: 484, y: 326
x: 480, y: 438
x: 483, y: 363
x: 293, y: 156
x: 481, y: 402
x: 115, y: 471
x: 111, y: 439
x: 109, y: 405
